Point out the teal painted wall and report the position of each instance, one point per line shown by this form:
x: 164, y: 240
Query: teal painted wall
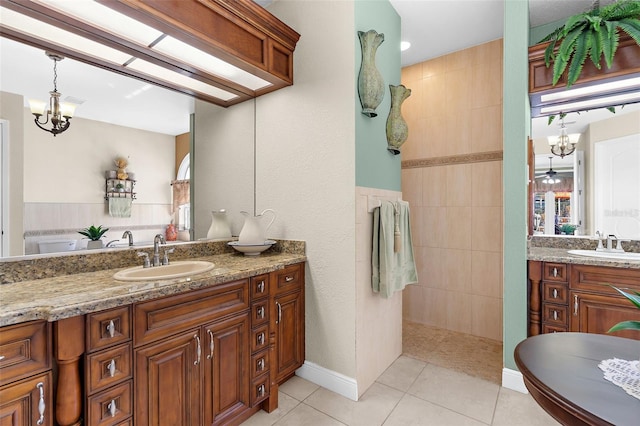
x: 375, y: 166
x: 516, y: 129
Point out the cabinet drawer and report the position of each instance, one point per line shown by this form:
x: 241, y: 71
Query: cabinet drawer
x: 163, y: 317
x: 555, y: 272
x: 555, y: 293
x: 20, y: 401
x: 108, y: 367
x: 25, y: 349
x: 259, y: 338
x: 554, y: 314
x: 599, y: 279
x: 259, y: 390
x: 290, y: 278
x: 108, y: 328
x: 110, y: 407
x: 259, y: 364
x: 260, y: 286
x: 259, y: 313
x: 546, y: 328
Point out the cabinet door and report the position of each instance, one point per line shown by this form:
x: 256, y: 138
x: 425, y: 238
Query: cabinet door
x: 226, y: 369
x: 28, y: 402
x: 597, y: 314
x: 167, y: 381
x: 289, y: 320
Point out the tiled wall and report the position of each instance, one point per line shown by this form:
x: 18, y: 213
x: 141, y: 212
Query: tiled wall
x: 452, y: 177
x: 61, y: 221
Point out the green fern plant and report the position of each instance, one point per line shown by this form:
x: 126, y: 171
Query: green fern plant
x: 628, y: 325
x: 594, y: 33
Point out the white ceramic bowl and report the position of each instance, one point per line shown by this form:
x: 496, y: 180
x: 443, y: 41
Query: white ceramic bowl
x: 251, y: 249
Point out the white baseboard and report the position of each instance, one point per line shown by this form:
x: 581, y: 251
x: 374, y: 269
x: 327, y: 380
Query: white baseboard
x: 512, y: 379
x: 328, y: 379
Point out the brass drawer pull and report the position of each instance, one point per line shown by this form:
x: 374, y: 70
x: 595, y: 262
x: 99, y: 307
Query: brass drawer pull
x: 555, y: 315
x: 261, y: 287
x: 260, y: 364
x: 288, y: 278
x: 555, y: 272
x: 279, y: 312
x: 575, y: 304
x: 260, y: 312
x: 261, y: 391
x: 555, y: 293
x: 260, y: 339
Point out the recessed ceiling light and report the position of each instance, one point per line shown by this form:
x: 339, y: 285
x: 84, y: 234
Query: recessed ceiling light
x: 404, y: 45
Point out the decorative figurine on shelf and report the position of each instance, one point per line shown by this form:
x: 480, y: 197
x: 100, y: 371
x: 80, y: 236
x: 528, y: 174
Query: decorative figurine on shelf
x: 171, y: 234
x: 121, y: 163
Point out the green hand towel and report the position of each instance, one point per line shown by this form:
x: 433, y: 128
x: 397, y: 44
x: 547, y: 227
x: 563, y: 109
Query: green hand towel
x: 393, y: 266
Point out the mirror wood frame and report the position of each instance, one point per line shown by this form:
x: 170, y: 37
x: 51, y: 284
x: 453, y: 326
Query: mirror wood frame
x: 240, y: 32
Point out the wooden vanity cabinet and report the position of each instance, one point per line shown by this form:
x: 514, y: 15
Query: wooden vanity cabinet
x: 192, y: 357
x: 572, y: 297
x: 25, y: 374
x: 596, y: 307
x: 288, y: 320
x: 108, y: 368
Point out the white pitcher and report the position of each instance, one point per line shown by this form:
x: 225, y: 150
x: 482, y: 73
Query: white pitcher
x: 220, y: 227
x: 253, y: 232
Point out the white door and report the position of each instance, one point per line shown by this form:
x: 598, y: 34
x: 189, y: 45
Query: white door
x: 617, y: 189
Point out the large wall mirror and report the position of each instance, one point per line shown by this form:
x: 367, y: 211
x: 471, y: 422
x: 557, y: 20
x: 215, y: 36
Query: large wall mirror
x: 596, y: 188
x: 63, y: 177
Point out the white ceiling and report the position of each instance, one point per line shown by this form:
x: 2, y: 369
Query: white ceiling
x: 434, y: 27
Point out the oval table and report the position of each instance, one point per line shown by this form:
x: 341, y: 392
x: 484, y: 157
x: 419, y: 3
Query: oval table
x: 561, y: 372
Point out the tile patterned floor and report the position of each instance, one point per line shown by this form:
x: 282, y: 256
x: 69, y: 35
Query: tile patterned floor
x: 437, y: 390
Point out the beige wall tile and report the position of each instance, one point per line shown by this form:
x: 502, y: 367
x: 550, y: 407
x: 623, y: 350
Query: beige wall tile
x: 432, y: 275
x: 412, y: 186
x: 458, y: 311
x: 458, y: 185
x: 487, y: 128
x: 486, y: 229
x: 486, y: 273
x: 459, y: 59
x: 486, y: 184
x: 433, y: 67
x: 458, y: 136
x: 433, y: 97
x: 434, y: 186
x: 490, y: 52
x: 486, y: 317
x: 435, y: 136
x: 433, y: 232
x: 458, y: 85
x: 486, y: 83
x: 434, y: 307
x: 457, y: 270
x: 412, y: 303
x: 411, y: 74
x: 458, y: 228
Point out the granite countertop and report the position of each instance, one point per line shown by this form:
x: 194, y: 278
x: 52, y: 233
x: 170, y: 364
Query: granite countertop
x: 561, y: 255
x: 66, y: 296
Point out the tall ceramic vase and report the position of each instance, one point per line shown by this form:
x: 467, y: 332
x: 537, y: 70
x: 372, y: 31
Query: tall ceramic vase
x: 397, y: 130
x: 370, y: 82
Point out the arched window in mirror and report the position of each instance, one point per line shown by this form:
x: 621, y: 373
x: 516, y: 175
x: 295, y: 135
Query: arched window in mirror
x: 181, y: 195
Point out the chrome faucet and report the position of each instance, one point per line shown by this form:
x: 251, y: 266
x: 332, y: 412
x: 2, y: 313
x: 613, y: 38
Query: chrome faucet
x: 157, y: 240
x: 111, y: 242
x: 130, y: 235
x: 610, y: 239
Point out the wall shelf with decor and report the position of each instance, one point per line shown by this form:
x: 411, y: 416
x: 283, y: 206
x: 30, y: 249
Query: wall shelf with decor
x: 119, y: 188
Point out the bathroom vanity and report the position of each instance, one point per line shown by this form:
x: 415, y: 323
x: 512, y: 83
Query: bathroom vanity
x: 198, y: 350
x: 574, y: 293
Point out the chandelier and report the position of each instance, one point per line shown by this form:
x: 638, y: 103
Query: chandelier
x: 58, y: 113
x: 565, y: 143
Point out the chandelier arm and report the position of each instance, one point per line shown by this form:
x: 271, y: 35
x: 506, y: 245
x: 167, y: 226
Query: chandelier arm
x: 38, y: 122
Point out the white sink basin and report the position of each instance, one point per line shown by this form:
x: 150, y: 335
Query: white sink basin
x: 606, y: 254
x: 173, y: 270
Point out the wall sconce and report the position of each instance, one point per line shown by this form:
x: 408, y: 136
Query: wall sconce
x: 564, y: 144
x: 59, y: 113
